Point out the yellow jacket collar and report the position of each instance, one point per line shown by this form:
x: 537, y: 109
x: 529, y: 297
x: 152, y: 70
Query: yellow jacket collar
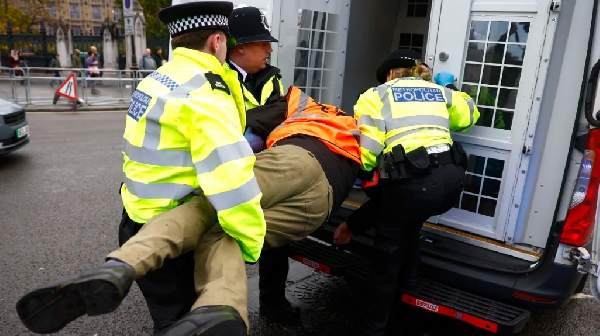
x: 207, y: 61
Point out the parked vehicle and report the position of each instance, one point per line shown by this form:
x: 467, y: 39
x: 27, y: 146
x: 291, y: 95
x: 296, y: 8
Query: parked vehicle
x: 519, y: 238
x: 14, y: 129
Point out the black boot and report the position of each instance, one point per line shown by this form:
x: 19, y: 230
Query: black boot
x: 95, y: 292
x: 208, y: 321
x: 273, y: 268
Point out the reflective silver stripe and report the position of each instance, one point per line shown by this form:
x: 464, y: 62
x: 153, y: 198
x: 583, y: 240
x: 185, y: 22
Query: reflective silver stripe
x: 153, y: 126
x: 157, y: 190
x: 366, y: 119
x: 386, y: 110
x: 395, y: 137
x: 471, y: 104
x: 371, y: 145
x: 150, y: 156
x: 232, y: 198
x: 355, y: 132
x: 418, y: 120
x: 302, y: 103
x: 223, y: 154
x: 448, y: 97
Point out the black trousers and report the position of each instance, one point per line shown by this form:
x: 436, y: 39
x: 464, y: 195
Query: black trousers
x: 169, y: 291
x: 403, y: 208
x: 273, y: 268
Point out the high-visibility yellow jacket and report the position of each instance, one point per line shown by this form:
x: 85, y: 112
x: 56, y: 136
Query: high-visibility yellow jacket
x: 269, y: 79
x: 411, y: 112
x: 184, y: 133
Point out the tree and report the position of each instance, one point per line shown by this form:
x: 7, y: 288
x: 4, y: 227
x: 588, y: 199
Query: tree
x: 155, y: 29
x: 25, y: 14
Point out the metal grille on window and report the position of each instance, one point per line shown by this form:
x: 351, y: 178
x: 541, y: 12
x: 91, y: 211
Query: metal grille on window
x: 493, y: 67
x: 315, y: 52
x: 482, y: 185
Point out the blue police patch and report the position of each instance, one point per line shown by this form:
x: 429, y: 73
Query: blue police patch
x: 139, y: 105
x: 417, y: 94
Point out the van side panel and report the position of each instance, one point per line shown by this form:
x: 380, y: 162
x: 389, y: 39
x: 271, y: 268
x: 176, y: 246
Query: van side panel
x: 553, y: 134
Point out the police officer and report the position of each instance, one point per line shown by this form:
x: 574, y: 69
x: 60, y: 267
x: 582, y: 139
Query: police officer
x: 184, y: 133
x: 249, y: 56
x: 408, y: 120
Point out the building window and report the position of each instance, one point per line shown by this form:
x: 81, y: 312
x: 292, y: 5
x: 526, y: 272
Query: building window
x: 417, y: 8
x: 97, y: 31
x: 74, y: 10
x: 315, y: 54
x: 76, y: 30
x: 96, y: 12
x: 412, y: 41
x: 50, y: 30
x: 117, y: 14
x: 51, y: 9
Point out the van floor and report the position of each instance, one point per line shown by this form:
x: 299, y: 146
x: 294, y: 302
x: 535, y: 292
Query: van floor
x: 328, y: 305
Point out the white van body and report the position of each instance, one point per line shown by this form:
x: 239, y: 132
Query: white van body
x: 527, y: 64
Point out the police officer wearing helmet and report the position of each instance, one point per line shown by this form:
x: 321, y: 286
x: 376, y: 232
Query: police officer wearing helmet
x: 183, y: 143
x: 249, y: 56
x: 405, y: 126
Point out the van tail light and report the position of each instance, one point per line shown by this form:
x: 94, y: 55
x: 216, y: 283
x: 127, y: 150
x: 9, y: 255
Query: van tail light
x: 581, y: 217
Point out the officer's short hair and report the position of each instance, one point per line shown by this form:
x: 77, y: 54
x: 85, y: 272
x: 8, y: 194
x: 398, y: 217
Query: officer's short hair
x: 194, y: 40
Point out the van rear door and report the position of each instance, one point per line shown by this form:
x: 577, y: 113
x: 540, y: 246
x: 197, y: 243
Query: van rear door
x: 495, y: 50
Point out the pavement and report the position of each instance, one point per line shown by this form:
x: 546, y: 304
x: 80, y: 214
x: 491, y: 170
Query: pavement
x: 59, y: 216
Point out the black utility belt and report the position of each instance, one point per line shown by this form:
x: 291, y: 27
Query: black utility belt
x: 399, y: 165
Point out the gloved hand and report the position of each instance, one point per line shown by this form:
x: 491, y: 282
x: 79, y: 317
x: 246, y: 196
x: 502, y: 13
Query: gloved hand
x: 256, y: 143
x: 444, y: 78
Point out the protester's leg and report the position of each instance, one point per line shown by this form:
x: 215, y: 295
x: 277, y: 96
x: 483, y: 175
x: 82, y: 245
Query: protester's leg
x: 222, y: 286
x: 297, y: 198
x: 101, y: 290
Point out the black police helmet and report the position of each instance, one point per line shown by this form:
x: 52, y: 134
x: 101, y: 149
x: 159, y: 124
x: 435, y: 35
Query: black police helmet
x: 248, y: 25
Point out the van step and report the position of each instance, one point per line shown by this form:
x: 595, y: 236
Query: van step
x: 326, y: 259
x: 487, y: 314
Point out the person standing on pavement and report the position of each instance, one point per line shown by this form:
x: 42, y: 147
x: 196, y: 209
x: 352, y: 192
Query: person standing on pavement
x: 405, y: 126
x: 55, y: 63
x: 158, y: 57
x: 147, y: 63
x: 184, y: 136
x: 249, y: 56
x: 91, y: 63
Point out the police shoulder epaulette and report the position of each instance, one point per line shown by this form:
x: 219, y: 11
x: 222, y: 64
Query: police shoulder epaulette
x: 216, y: 82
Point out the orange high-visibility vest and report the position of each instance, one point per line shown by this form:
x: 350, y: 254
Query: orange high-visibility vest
x: 337, y: 130
x: 372, y: 182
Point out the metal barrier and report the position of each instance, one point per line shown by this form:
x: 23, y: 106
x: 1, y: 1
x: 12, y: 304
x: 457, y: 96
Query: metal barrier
x: 37, y: 86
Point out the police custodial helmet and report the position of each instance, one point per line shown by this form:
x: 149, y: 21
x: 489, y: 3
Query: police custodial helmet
x: 195, y: 16
x: 248, y: 24
x: 401, y: 58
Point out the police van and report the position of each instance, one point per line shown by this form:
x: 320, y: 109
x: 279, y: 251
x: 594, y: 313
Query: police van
x: 522, y: 235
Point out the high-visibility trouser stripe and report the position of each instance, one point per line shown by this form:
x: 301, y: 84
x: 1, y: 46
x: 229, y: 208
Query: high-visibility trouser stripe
x: 471, y: 104
x: 400, y: 135
x: 367, y: 120
x: 232, y: 198
x: 370, y: 144
x: 448, y: 97
x: 158, y: 190
x: 153, y: 126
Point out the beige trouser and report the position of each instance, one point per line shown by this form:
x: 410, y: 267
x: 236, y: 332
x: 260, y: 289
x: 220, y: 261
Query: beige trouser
x: 296, y: 200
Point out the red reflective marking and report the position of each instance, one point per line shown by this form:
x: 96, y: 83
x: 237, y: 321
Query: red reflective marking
x: 443, y: 310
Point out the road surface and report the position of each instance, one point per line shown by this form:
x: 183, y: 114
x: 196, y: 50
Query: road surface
x: 60, y: 209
